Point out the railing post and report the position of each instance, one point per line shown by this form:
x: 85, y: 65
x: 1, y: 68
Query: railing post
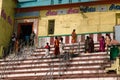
x: 60, y: 66
x: 79, y: 47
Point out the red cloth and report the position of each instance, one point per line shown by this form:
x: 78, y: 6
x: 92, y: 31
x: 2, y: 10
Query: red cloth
x: 56, y: 45
x: 47, y: 47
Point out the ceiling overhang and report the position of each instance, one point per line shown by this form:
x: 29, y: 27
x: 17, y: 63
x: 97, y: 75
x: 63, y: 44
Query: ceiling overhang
x: 21, y: 1
x: 38, y: 8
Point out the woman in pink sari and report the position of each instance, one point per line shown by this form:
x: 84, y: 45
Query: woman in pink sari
x: 102, y: 44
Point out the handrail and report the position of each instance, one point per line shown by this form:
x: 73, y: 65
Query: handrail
x: 50, y: 76
x: 64, y: 62
x: 51, y: 71
x: 15, y: 57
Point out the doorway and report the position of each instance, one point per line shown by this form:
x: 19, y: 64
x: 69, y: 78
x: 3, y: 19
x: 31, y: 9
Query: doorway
x: 24, y: 29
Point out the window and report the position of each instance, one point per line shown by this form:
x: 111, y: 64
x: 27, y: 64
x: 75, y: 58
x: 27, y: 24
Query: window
x: 52, y: 2
x: 70, y: 1
x: 51, y: 24
x: 59, y: 1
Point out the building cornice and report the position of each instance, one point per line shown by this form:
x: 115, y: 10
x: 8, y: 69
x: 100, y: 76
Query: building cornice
x: 38, y: 8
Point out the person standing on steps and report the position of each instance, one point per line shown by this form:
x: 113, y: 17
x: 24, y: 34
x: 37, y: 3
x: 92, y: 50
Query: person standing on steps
x: 91, y: 45
x: 13, y: 40
x: 32, y: 37
x: 47, y: 49
x: 61, y: 46
x: 56, y: 46
x: 107, y: 40
x: 74, y: 40
x: 102, y: 44
x: 74, y: 36
x: 87, y: 46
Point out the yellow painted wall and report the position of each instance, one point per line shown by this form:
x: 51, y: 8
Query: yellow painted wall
x: 5, y: 28
x: 89, y: 22
x: 0, y: 6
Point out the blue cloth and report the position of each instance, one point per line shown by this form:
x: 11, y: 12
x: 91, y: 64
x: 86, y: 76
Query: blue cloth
x: 27, y: 38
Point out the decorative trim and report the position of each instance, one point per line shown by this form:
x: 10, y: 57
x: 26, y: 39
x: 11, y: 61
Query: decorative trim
x: 67, y: 38
x: 77, y: 34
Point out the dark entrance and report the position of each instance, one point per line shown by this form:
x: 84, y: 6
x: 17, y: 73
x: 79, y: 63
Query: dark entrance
x: 24, y: 30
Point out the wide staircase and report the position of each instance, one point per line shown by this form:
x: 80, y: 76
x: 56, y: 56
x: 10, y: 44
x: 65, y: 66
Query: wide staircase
x: 31, y: 64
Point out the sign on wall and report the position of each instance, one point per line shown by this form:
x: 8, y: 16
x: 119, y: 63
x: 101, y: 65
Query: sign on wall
x: 62, y: 11
x: 100, y: 8
x: 6, y: 17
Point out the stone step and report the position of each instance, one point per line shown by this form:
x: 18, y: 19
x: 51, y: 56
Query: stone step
x: 105, y: 78
x: 42, y: 64
x: 74, y: 52
x: 81, y: 56
x: 69, y: 46
x: 89, y: 76
x: 65, y: 70
x: 41, y: 53
x: 82, y: 66
x: 37, y: 67
x: 89, y: 55
x: 36, y: 73
x: 55, y: 69
x: 74, y: 67
x: 92, y: 76
x: 108, y: 78
x: 58, y: 60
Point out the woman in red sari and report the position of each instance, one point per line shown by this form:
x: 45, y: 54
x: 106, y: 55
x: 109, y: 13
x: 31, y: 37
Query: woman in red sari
x: 56, y: 45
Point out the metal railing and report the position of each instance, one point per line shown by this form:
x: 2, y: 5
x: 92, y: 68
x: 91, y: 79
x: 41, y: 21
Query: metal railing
x: 64, y: 61
x: 49, y: 73
x: 16, y: 58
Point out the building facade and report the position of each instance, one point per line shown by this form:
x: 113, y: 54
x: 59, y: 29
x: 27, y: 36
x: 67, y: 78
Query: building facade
x: 94, y: 18
x: 7, y: 13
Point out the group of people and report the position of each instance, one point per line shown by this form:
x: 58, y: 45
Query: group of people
x: 104, y: 42
x: 59, y: 45
x: 17, y: 41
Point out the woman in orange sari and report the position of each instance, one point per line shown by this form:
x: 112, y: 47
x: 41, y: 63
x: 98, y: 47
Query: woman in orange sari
x: 74, y: 36
x: 74, y: 40
x: 56, y: 45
